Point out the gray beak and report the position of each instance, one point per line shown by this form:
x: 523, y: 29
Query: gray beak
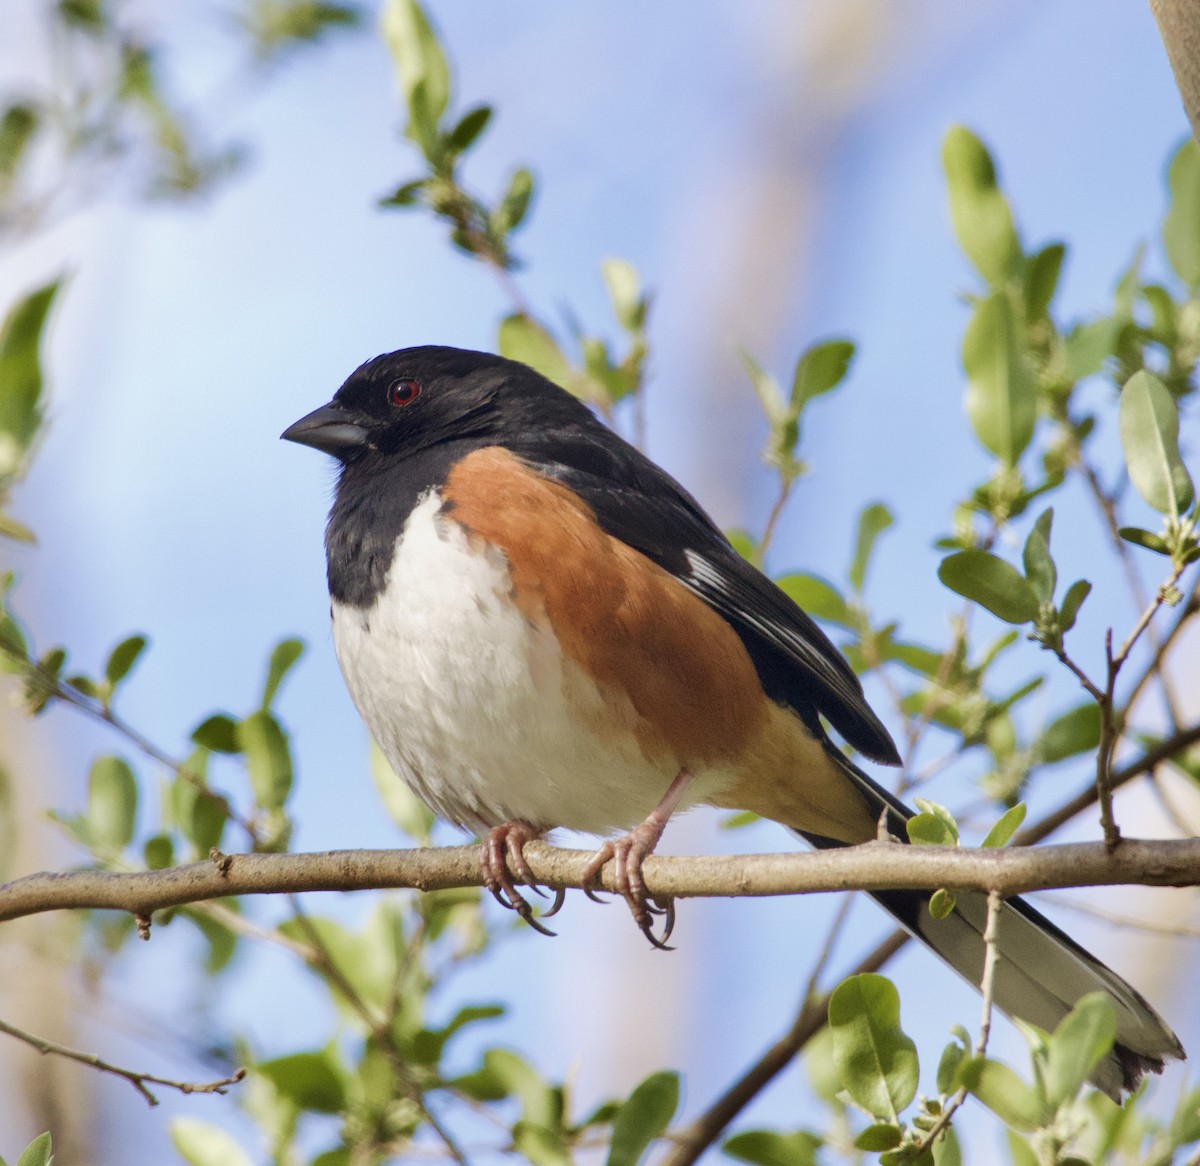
x: 329, y: 429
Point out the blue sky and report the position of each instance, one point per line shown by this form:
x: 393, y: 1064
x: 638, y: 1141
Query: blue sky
x: 189, y: 338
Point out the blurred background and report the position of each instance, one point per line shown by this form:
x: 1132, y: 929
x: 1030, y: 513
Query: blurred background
x: 773, y: 171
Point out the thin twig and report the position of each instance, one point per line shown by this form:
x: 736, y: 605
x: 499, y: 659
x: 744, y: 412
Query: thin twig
x: 1149, y: 613
x: 785, y: 492
x: 1112, y: 723
x: 991, y: 954
x: 1110, y: 734
x: 1108, y: 510
x: 137, y: 1079
x: 1093, y: 689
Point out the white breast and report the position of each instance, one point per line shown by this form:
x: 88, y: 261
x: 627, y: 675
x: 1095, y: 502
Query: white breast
x: 475, y: 707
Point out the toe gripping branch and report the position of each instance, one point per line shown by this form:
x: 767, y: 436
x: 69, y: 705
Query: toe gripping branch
x: 503, y: 852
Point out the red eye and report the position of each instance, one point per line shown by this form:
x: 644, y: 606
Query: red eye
x: 404, y: 393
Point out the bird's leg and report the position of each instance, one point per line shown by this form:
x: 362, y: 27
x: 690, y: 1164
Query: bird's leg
x: 629, y: 851
x: 505, y: 844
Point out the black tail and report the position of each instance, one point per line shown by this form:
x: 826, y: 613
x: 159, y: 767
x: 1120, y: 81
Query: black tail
x: 1041, y: 971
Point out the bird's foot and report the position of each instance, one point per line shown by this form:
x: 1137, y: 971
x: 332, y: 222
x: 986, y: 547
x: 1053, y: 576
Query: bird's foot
x: 627, y: 854
x: 504, y: 847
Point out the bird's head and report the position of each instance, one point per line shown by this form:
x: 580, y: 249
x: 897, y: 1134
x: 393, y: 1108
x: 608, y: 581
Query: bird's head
x: 417, y: 398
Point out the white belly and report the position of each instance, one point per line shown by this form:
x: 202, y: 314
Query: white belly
x: 476, y: 707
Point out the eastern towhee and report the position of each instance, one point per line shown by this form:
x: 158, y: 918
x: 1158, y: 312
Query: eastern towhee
x: 541, y: 628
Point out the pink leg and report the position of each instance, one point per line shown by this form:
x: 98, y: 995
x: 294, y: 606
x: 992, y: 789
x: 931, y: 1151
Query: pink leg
x: 504, y: 845
x: 629, y: 851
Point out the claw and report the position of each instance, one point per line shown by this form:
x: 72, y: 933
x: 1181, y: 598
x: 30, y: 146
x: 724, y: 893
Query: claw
x: 560, y: 897
x: 502, y: 846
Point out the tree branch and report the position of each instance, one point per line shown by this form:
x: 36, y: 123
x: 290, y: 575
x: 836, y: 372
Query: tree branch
x: 136, y: 1079
x: 873, y: 866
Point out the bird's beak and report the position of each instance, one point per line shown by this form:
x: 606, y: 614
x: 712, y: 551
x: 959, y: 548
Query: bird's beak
x: 329, y: 429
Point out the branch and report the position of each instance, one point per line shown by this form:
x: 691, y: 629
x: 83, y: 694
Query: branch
x: 136, y: 1079
x: 873, y: 866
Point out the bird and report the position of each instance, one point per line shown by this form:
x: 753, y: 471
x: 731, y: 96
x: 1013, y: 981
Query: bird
x: 542, y: 629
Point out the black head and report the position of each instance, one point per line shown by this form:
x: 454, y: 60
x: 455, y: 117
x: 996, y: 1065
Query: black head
x: 418, y: 398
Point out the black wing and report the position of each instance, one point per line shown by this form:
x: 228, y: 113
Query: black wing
x: 646, y: 508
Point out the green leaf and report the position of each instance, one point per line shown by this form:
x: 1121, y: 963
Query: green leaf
x: 766, y: 388
x: 541, y: 1145
x: 880, y: 1135
x: 405, y: 195
x: 314, y: 1080
x: 876, y: 1060
x: 122, y: 659
x: 818, y: 597
x: 283, y: 658
x: 37, y: 1153
x: 992, y: 583
x: 933, y: 826
x: 18, y: 128
x: 942, y: 903
x: 643, y: 1118
x: 1041, y: 280
x: 218, y: 733
x: 1088, y: 345
x: 268, y: 759
x: 1143, y: 538
x: 1039, y: 565
x: 1072, y: 601
x: 159, y: 852
x: 541, y: 1104
x: 201, y: 1144
x: 1004, y: 1093
x: 17, y: 531
x: 949, y: 1063
x: 1082, y: 1038
x: 526, y: 340
x: 979, y: 211
x: 771, y: 1148
x: 112, y: 803
x: 1077, y: 731
x: 946, y: 1150
x: 872, y: 522
x: 420, y: 63
x: 1005, y: 827
x: 21, y: 379
x: 1020, y: 1151
x: 514, y: 206
x: 625, y: 291
x: 1149, y: 423
x: 470, y: 126
x: 821, y: 368
x: 1001, y: 388
x: 1181, y: 228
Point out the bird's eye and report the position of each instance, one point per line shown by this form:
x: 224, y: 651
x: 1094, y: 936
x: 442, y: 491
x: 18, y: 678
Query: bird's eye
x: 404, y: 392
